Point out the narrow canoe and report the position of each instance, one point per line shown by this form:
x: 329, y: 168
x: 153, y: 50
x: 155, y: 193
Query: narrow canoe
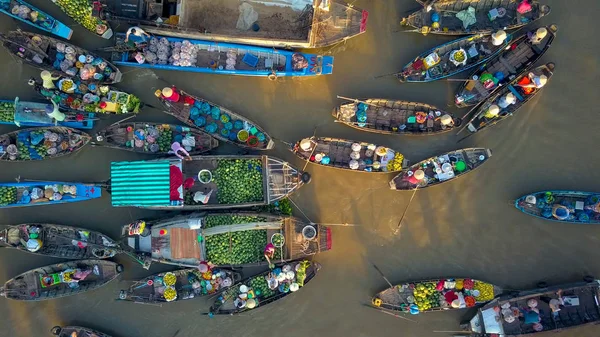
x: 34, y: 114
x: 578, y: 306
x: 300, y: 240
x: 504, y: 13
x: 57, y: 56
x: 71, y: 331
x: 395, y: 117
x: 440, y: 169
x: 436, y: 295
x: 290, y: 278
x: 41, y: 143
x: 481, y: 119
x: 189, y: 283
x: 81, y: 97
x: 58, y: 280
x: 475, y: 49
x: 204, y: 182
x: 32, y: 16
x: 221, y: 58
x: 59, y: 241
x: 37, y: 193
x: 562, y: 206
x: 295, y: 25
x: 341, y: 154
x: 503, y: 68
x: 154, y: 138
x: 216, y: 120
x: 81, y: 12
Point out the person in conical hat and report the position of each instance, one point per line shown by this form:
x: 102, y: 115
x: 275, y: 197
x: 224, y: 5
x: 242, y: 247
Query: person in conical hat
x: 48, y: 79
x: 498, y: 37
x: 535, y: 81
x: 170, y: 94
x: 492, y: 111
x: 538, y: 36
x: 306, y: 145
x: 507, y: 100
x: 446, y: 120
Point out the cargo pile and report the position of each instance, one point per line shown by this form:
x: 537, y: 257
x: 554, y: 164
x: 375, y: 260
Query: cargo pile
x: 239, y: 181
x: 81, y: 11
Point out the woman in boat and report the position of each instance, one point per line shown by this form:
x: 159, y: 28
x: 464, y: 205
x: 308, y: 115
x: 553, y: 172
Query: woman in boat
x: 507, y: 100
x: 269, y: 254
x: 531, y: 82
x: 538, y: 36
x: 176, y: 148
x: 138, y: 38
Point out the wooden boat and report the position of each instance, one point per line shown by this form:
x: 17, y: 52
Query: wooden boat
x: 58, y: 241
x: 56, y: 56
x: 38, y: 193
x: 503, y: 68
x: 80, y: 97
x: 222, y: 58
x: 296, y: 25
x: 188, y: 284
x: 41, y: 143
x: 153, y: 138
x: 25, y: 12
x: 395, y: 117
x: 59, y: 280
x: 341, y: 154
x: 17, y: 112
x: 562, y: 206
x: 258, y: 294
x: 70, y: 331
x: 482, y: 118
x: 439, y: 169
x: 436, y: 295
x: 489, y: 16
x: 175, y: 240
x: 580, y: 307
x: 475, y: 49
x: 216, y: 120
x: 204, y: 182
x: 82, y: 12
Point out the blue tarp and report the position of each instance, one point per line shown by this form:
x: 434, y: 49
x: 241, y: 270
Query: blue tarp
x: 140, y: 183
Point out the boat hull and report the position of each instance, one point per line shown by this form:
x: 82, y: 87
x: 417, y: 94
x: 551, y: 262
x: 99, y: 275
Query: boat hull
x: 33, y: 114
x: 70, y: 331
x: 57, y: 28
x: 577, y: 207
x: 83, y: 192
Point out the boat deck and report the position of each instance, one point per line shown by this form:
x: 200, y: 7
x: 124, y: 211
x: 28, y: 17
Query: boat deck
x: 578, y: 204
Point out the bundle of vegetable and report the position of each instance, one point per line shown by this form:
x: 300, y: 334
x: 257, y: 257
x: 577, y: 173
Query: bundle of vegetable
x: 134, y: 104
x: 301, y: 272
x: 396, y: 163
x: 486, y: 291
x: 260, y: 286
x: 239, y: 181
x: 81, y: 11
x: 7, y: 112
x: 235, y: 247
x: 426, y: 296
x: 8, y: 195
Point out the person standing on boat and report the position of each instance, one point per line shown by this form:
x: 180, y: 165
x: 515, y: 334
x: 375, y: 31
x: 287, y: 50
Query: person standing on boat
x: 139, y: 35
x: 269, y: 254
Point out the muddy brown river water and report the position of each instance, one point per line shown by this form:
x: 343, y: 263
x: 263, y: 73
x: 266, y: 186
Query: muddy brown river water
x: 467, y: 227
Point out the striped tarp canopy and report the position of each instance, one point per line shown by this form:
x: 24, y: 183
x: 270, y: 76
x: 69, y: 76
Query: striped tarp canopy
x: 140, y: 183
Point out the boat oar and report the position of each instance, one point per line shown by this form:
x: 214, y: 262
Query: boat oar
x: 381, y: 273
x: 121, y: 121
x: 385, y: 75
x: 390, y: 313
x: 357, y: 101
x: 405, y: 210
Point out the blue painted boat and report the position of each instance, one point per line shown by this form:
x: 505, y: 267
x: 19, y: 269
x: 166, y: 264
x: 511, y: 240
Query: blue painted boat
x: 31, y: 114
x: 562, y: 206
x: 40, y: 19
x: 475, y: 50
x: 220, y: 58
x: 23, y: 194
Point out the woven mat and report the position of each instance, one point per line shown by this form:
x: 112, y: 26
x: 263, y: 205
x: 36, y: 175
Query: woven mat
x: 184, y: 244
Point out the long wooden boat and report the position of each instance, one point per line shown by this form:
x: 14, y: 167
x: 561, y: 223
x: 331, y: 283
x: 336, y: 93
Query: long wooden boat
x: 175, y: 240
x: 82, y: 12
x: 562, y: 206
x: 439, y: 169
x: 395, y: 117
x: 503, y: 68
x: 17, y: 112
x: 31, y: 15
x: 154, y: 138
x: 221, y: 58
x: 204, y: 182
x: 436, y: 295
x: 349, y: 155
x: 38, y: 193
x: 81, y: 97
x: 179, y: 285
x: 265, y: 288
x: 444, y: 16
x: 578, y: 304
x: 216, y: 120
x: 57, y: 56
x: 71, y: 331
x: 58, y: 241
x: 293, y: 25
x: 474, y: 50
x: 483, y: 118
x: 41, y: 143
x: 60, y: 280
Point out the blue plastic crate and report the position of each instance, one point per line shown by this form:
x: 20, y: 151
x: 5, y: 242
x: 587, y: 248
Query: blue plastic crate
x: 250, y: 60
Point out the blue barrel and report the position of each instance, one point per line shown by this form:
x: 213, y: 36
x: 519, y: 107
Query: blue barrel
x: 194, y: 112
x: 233, y: 136
x: 260, y: 136
x: 200, y: 121
x: 215, y: 110
x: 362, y: 106
x: 238, y: 125
x: 212, y: 127
x: 205, y: 107
x: 225, y: 133
x: 228, y: 126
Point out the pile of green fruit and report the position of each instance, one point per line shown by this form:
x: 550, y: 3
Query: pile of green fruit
x: 80, y: 11
x: 134, y: 104
x: 259, y: 283
x: 164, y: 140
x: 7, y: 112
x: 426, y: 296
x: 236, y: 247
x: 282, y: 207
x: 8, y: 195
x: 239, y: 181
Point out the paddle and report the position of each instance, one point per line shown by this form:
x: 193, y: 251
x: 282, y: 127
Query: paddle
x: 390, y: 313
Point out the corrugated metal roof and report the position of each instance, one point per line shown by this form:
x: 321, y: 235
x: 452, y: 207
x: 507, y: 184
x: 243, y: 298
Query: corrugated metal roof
x: 140, y: 183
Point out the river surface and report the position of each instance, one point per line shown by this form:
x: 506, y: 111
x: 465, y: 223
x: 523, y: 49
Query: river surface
x: 467, y: 227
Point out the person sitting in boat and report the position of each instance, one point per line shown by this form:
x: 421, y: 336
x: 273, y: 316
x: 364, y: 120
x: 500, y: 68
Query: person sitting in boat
x: 507, y: 100
x: 555, y: 304
x: 138, y: 36
x: 538, y: 36
x: 270, y: 254
x: 48, y: 80
x: 73, y: 276
x: 531, y: 82
x: 176, y: 148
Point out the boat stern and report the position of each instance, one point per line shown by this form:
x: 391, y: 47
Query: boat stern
x: 327, y: 65
x: 89, y: 191
x: 62, y: 30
